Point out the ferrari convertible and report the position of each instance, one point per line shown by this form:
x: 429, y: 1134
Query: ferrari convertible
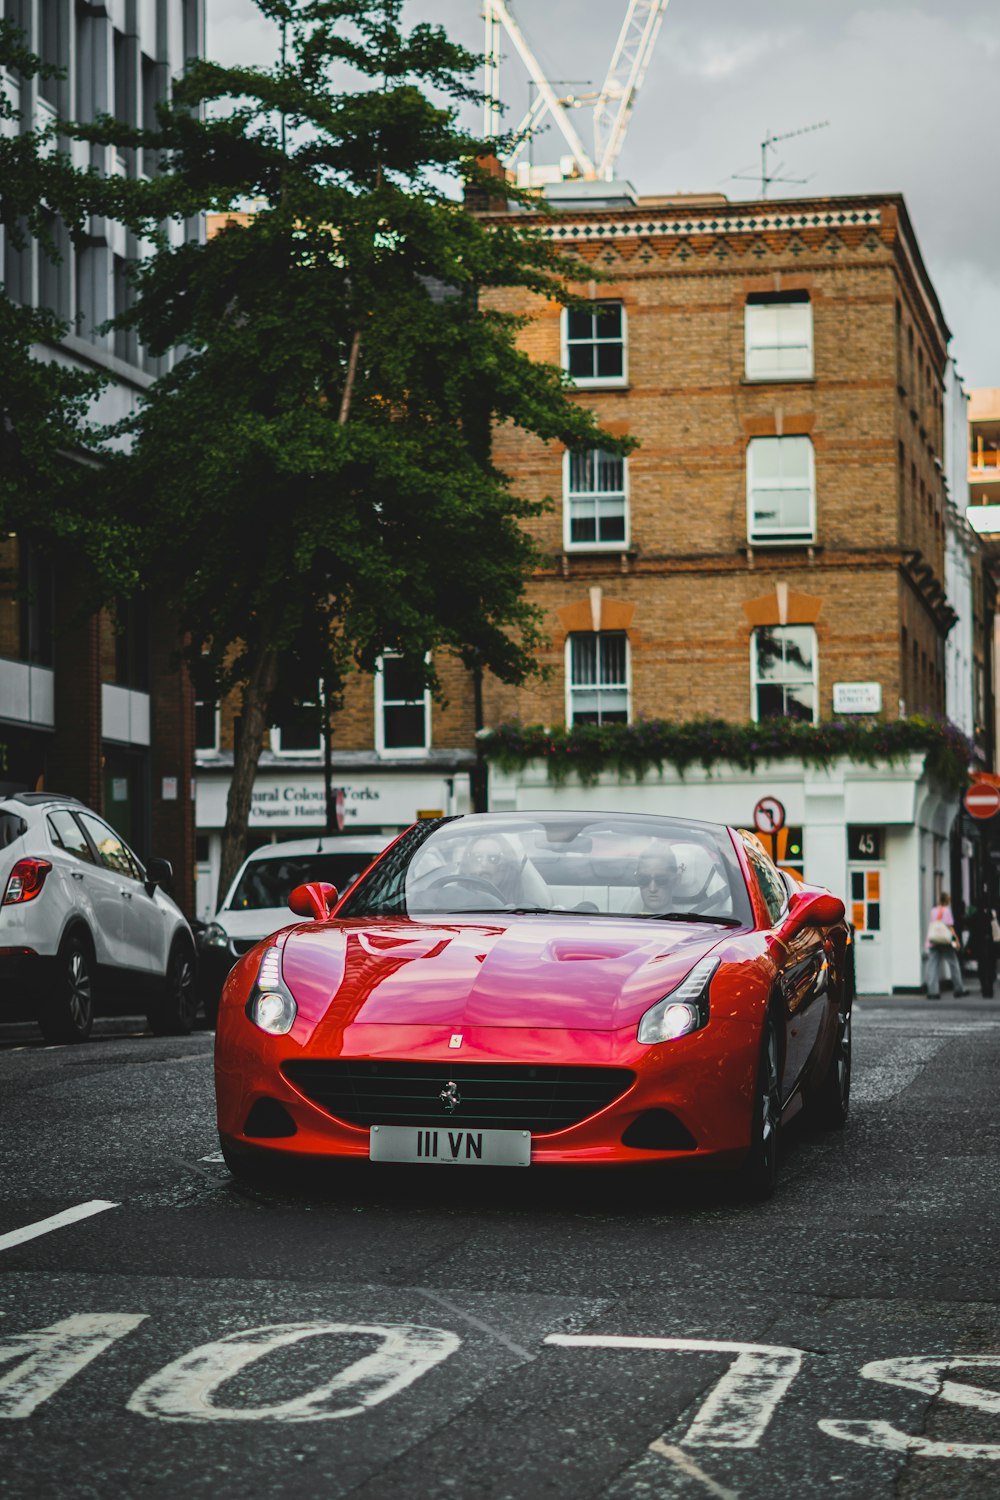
x: 529, y: 989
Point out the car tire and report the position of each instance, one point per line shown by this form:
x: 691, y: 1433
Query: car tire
x: 250, y: 1169
x: 67, y: 1013
x: 832, y: 1100
x: 757, y: 1177
x: 176, y: 1007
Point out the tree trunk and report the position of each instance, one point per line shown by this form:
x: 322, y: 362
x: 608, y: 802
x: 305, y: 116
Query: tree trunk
x: 256, y: 701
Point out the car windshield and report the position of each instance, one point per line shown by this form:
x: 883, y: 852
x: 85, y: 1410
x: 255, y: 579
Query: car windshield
x: 598, y: 865
x: 269, y: 881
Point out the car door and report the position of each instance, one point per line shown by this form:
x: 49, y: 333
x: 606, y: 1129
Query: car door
x: 802, y: 960
x: 94, y: 889
x: 140, y: 919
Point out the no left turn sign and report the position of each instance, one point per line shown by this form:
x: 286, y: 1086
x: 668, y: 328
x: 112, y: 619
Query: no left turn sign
x: 769, y: 815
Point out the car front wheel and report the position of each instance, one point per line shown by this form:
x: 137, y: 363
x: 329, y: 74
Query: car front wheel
x: 176, y: 1007
x: 67, y: 1013
x: 758, y: 1176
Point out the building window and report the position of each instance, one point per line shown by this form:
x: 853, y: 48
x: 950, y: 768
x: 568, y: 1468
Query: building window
x: 781, y: 490
x: 402, y: 709
x: 206, y: 726
x: 299, y: 730
x: 596, y: 501
x: 598, y: 678
x: 783, y: 672
x: 779, y: 336
x: 594, y: 344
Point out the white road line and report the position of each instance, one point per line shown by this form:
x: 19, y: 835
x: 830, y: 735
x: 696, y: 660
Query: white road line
x: 213, y: 1156
x: 691, y: 1469
x: 57, y: 1221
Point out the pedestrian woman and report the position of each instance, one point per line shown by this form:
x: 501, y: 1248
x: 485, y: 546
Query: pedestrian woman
x: 942, y: 948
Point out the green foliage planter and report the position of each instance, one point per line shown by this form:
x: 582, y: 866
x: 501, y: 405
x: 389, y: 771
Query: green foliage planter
x: 633, y: 750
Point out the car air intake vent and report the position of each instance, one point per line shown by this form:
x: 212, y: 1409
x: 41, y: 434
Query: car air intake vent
x: 482, y: 1096
x: 659, y: 1130
x: 243, y: 945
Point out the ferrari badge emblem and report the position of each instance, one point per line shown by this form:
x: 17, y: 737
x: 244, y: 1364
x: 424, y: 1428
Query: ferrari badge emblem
x: 450, y: 1097
x: 456, y: 1039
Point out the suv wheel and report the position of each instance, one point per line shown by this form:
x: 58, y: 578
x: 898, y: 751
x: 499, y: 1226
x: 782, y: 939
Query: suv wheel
x: 67, y: 1013
x: 175, y: 1009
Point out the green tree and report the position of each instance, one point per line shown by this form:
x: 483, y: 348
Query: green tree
x: 313, y: 481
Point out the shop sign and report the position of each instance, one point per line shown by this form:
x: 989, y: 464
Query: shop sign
x: 382, y: 801
x: 857, y: 697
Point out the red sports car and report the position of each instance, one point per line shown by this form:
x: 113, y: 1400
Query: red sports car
x: 533, y: 988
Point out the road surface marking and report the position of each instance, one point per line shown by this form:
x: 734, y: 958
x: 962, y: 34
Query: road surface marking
x: 212, y: 1156
x: 925, y: 1373
x: 51, y: 1356
x: 738, y: 1409
x: 182, y: 1391
x: 57, y: 1221
x: 688, y: 1466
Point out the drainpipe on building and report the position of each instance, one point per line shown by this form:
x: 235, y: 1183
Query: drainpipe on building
x: 480, y: 777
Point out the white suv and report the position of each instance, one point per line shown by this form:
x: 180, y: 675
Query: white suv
x: 256, y: 903
x: 84, y: 927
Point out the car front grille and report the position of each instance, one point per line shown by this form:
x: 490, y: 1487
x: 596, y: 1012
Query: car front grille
x: 492, y: 1096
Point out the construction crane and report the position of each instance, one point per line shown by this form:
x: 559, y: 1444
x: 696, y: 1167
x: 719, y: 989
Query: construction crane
x: 613, y: 105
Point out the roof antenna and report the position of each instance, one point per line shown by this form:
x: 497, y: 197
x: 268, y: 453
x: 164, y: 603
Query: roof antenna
x: 767, y: 144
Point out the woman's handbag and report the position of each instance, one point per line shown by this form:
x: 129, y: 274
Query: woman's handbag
x: 939, y: 934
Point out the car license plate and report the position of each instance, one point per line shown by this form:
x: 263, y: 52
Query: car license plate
x: 444, y: 1146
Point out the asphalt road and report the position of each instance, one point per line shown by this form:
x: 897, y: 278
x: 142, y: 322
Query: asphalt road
x: 408, y: 1332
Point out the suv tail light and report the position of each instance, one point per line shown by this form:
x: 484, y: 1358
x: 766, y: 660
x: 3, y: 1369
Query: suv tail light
x: 25, y: 881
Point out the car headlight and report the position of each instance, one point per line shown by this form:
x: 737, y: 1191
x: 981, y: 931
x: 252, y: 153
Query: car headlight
x: 271, y: 1006
x: 214, y: 936
x: 685, y: 1009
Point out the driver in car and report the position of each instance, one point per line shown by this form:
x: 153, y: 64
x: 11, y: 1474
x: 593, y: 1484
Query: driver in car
x: 656, y: 876
x: 492, y: 858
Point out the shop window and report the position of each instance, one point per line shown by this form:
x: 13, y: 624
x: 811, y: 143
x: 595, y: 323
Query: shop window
x: 781, y: 490
x: 595, y: 505
x: 594, y: 344
x: 779, y: 336
x: 783, y: 671
x: 598, y: 678
x: 402, y: 708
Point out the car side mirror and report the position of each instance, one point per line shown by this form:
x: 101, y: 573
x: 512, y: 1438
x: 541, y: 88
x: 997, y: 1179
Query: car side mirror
x: 158, y: 872
x: 812, y: 909
x: 314, y: 900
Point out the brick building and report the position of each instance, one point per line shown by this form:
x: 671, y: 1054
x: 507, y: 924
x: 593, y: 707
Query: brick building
x: 776, y: 544
x: 96, y: 705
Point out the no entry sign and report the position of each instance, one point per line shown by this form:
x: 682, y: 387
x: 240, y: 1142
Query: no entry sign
x: 982, y: 800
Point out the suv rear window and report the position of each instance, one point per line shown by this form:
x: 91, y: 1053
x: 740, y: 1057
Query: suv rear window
x: 11, y: 828
x: 69, y: 835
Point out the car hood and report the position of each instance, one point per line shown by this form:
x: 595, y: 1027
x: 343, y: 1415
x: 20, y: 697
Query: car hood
x: 522, y: 971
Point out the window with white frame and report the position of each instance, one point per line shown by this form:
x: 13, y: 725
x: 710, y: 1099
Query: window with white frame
x: 402, y: 709
x: 206, y: 726
x: 596, y: 501
x: 783, y: 672
x: 594, y: 343
x: 299, y: 731
x: 781, y: 490
x: 779, y: 336
x: 597, y: 677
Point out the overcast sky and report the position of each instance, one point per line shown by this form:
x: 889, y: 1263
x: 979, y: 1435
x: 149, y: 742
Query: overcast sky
x: 910, y: 88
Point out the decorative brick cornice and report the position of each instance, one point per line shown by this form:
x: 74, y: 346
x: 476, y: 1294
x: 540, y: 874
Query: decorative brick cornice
x: 587, y: 229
